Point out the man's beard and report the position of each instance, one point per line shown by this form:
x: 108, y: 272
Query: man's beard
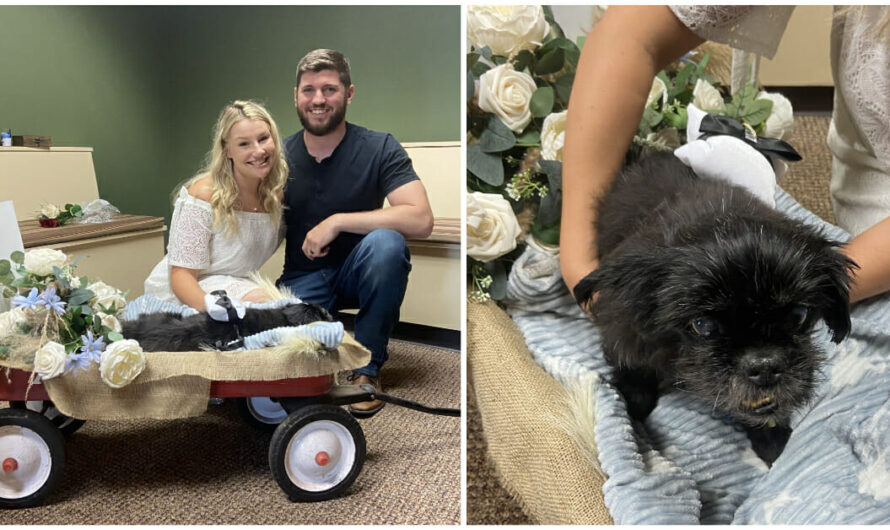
x: 335, y: 119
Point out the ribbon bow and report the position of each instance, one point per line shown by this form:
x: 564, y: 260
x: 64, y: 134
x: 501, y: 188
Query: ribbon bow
x: 713, y: 125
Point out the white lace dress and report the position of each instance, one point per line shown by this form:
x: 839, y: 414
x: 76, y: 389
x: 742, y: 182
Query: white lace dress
x: 223, y: 262
x: 859, y: 135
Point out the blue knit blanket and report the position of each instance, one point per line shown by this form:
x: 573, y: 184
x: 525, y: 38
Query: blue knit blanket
x: 685, y: 464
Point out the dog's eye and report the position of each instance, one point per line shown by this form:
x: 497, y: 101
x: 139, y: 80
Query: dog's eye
x: 703, y: 326
x: 798, y: 315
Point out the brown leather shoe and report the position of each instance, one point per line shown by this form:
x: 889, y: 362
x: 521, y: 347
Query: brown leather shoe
x: 365, y: 409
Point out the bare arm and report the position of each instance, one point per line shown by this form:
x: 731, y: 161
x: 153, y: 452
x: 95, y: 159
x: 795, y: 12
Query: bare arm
x: 621, y: 56
x: 184, y: 283
x: 871, y: 251
x: 409, y: 213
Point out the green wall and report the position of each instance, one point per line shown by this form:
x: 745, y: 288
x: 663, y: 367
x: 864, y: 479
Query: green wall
x: 143, y: 85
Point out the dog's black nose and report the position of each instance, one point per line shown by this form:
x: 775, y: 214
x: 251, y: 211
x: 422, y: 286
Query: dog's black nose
x: 762, y: 371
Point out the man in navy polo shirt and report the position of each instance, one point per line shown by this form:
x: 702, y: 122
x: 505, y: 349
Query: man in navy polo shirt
x: 343, y: 249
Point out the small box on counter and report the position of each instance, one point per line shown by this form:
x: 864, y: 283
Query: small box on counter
x: 32, y: 141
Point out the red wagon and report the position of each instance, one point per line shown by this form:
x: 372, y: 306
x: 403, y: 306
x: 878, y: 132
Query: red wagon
x: 316, y: 452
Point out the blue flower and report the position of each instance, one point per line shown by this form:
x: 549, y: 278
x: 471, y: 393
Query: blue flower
x: 92, y: 348
x: 77, y: 361
x: 51, y: 300
x: 29, y: 302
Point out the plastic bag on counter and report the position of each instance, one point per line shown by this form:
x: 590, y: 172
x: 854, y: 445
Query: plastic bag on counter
x: 96, y: 211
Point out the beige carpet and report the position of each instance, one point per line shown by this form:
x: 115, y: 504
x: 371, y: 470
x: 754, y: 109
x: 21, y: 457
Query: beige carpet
x: 214, y: 469
x: 807, y: 181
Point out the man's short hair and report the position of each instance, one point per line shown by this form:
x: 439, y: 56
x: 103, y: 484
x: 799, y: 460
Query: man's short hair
x: 325, y: 59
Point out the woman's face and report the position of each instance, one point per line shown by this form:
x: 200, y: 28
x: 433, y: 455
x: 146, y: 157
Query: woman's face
x: 251, y: 148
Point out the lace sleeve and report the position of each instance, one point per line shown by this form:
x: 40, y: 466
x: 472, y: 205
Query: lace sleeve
x: 755, y: 29
x: 190, y: 234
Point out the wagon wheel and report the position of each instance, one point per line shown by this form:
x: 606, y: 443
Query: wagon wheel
x: 65, y: 424
x: 316, y: 452
x: 261, y: 412
x: 32, y: 455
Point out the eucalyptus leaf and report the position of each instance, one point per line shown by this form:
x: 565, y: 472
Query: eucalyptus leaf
x: 486, y: 167
x: 551, y: 209
x: 546, y: 234
x: 757, y: 112
x: 652, y: 117
x: 114, y: 336
x: 471, y: 86
x: 496, y: 137
x: 63, y: 281
x: 580, y: 41
x: 564, y: 86
x: 17, y: 257
x: 5, y: 268
x: 530, y: 138
x: 524, y: 59
x: 498, y: 60
x: 80, y: 296
x: 551, y: 62
x: 479, y: 68
x: 541, y: 103
x: 485, y: 52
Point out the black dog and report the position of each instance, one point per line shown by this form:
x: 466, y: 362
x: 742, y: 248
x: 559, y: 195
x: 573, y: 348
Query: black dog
x: 172, y: 332
x: 703, y: 287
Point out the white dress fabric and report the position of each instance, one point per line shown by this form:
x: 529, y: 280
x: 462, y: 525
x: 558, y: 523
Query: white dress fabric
x: 859, y: 135
x: 224, y: 262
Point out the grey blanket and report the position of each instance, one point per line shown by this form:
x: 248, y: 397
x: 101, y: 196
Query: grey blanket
x: 686, y: 464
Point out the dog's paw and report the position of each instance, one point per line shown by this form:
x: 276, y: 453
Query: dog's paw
x: 640, y: 391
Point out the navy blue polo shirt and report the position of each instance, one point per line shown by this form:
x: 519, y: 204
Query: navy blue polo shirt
x: 364, y: 168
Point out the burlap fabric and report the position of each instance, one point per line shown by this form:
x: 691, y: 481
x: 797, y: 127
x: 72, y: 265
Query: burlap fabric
x: 177, y: 384
x: 521, y: 405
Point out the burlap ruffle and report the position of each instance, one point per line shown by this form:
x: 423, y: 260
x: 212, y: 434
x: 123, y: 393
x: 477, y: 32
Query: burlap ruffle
x: 523, y: 411
x: 177, y: 384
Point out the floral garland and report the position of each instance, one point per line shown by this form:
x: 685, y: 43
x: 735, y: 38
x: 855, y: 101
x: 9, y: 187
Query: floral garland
x: 61, y: 323
x: 521, y: 71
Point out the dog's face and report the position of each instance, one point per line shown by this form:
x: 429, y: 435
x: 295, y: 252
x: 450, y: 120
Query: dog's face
x: 299, y: 314
x: 728, y: 318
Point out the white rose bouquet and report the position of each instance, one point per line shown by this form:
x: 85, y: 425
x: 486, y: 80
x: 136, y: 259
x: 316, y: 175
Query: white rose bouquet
x: 521, y: 71
x: 51, y: 215
x: 60, y: 322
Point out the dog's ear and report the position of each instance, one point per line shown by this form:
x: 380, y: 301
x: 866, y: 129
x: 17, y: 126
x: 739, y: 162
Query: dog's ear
x: 837, y: 272
x: 633, y: 279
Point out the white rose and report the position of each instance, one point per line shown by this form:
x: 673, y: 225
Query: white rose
x: 706, y: 97
x: 780, y: 123
x: 106, y: 295
x: 121, y: 363
x: 50, y: 211
x: 506, y: 29
x: 10, y: 321
x: 49, y: 361
x: 553, y: 136
x: 492, y: 227
x: 658, y: 91
x: 111, y: 321
x: 507, y: 93
x: 42, y: 260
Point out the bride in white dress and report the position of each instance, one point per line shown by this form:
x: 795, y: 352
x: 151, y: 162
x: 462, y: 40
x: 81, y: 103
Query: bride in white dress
x: 226, y: 219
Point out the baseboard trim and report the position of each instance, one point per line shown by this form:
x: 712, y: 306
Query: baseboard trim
x: 807, y: 99
x: 429, y: 335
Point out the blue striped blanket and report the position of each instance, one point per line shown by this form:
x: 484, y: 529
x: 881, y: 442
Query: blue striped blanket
x: 686, y: 464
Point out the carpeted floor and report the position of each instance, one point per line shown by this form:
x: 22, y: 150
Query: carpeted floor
x: 807, y: 181
x: 213, y: 469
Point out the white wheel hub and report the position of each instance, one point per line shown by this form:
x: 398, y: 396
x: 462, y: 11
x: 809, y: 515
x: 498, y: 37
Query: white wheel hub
x: 266, y: 410
x: 26, y: 462
x: 320, y: 455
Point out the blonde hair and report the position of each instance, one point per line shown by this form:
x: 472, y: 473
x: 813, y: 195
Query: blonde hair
x: 857, y: 13
x: 224, y: 189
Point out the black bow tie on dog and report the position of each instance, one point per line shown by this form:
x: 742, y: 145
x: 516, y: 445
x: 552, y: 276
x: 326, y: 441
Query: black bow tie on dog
x: 715, y: 125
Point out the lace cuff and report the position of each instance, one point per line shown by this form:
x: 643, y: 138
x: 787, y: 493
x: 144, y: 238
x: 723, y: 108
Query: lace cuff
x: 755, y: 29
x: 190, y: 233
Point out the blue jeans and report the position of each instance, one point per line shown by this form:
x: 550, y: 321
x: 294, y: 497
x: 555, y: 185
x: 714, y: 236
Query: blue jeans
x: 373, y: 279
